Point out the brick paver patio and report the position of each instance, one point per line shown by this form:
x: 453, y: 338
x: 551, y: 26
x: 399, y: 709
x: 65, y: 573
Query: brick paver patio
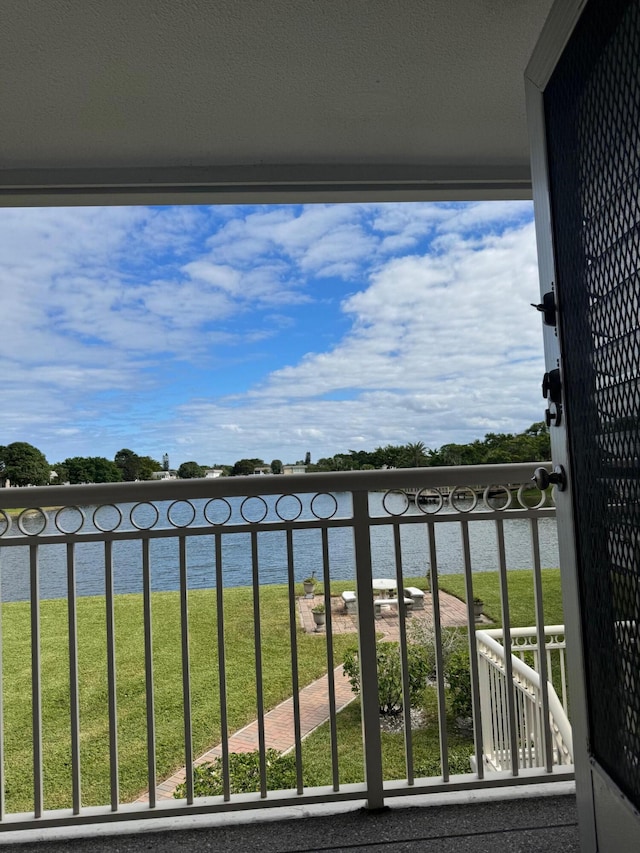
x: 453, y: 612
x: 314, y: 699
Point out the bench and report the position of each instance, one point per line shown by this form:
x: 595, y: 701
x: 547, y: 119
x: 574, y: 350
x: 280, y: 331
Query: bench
x: 416, y: 595
x: 378, y: 603
x: 350, y: 601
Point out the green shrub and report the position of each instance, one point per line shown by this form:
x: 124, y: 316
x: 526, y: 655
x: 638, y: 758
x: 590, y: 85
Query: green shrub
x: 244, y: 774
x: 458, y: 674
x: 390, y: 674
x: 420, y: 632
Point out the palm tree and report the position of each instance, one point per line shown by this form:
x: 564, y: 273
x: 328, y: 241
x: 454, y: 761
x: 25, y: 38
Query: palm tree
x: 416, y: 454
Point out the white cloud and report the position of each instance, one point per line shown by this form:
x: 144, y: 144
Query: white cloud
x: 80, y: 289
x: 439, y: 344
x: 323, y: 240
x: 438, y: 319
x: 443, y: 347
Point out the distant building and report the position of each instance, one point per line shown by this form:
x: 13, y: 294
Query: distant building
x: 298, y: 468
x: 212, y: 473
x: 164, y: 475
x: 263, y: 469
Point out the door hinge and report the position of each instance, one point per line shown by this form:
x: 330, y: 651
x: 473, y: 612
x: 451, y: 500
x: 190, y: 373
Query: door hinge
x: 548, y: 308
x: 552, y: 386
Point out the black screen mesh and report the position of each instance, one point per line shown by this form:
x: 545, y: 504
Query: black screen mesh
x: 592, y: 111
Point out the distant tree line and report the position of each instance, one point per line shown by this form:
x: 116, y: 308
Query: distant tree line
x: 25, y: 465
x: 22, y: 464
x: 126, y: 466
x: 532, y: 445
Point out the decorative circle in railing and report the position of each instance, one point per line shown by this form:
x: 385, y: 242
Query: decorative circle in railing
x: 254, y: 509
x: 321, y: 501
x: 181, y: 513
x: 288, y: 507
x: 463, y: 498
x: 217, y: 511
x: 144, y: 515
x: 69, y: 519
x: 497, y: 497
x: 107, y: 518
x: 429, y: 501
x: 530, y: 496
x: 32, y: 522
x: 389, y: 498
x: 5, y: 522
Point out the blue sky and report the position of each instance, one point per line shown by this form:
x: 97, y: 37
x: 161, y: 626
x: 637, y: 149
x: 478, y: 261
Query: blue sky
x: 213, y: 333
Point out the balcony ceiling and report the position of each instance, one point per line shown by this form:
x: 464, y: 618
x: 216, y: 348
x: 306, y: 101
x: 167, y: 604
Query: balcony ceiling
x: 229, y: 99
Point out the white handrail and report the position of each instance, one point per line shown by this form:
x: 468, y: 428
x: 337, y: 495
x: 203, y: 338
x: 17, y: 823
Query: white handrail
x: 525, y: 640
x: 529, y: 723
x: 498, y: 633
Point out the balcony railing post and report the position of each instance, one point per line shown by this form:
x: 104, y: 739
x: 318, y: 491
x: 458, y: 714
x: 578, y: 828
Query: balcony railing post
x: 74, y: 698
x: 486, y: 688
x: 36, y: 688
x: 367, y: 654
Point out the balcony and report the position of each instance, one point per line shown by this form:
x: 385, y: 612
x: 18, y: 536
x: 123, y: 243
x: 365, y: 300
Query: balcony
x: 143, y: 574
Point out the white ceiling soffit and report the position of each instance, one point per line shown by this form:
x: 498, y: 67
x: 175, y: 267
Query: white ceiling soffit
x: 128, y: 101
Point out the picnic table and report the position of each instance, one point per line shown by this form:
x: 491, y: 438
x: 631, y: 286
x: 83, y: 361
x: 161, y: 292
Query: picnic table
x: 385, y: 586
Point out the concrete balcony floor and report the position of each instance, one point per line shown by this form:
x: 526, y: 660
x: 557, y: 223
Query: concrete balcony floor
x: 519, y: 824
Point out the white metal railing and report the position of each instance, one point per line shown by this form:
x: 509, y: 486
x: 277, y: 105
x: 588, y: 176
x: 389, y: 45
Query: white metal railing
x: 107, y: 540
x: 516, y: 705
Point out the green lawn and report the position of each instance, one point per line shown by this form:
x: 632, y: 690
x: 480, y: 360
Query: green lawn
x: 316, y: 749
x: 240, y: 659
x: 130, y: 685
x: 521, y: 598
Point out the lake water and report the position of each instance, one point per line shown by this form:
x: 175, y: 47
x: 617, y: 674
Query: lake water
x: 236, y: 549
